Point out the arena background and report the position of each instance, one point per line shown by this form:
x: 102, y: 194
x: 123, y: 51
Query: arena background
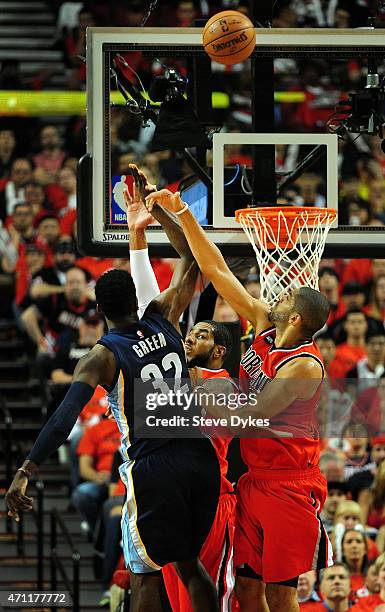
x: 42, y: 137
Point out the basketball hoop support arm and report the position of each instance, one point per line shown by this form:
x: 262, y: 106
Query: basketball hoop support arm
x: 148, y: 114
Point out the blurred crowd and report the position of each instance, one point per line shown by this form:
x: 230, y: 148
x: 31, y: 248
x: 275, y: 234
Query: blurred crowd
x: 48, y: 286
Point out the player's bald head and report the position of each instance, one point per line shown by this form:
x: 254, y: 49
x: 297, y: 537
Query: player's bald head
x: 313, y: 307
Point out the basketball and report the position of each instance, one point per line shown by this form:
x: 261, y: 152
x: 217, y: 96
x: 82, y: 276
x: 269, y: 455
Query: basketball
x: 229, y: 37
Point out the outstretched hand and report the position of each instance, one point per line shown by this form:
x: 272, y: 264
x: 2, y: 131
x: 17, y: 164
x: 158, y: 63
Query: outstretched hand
x: 166, y: 199
x: 137, y: 214
x: 15, y: 499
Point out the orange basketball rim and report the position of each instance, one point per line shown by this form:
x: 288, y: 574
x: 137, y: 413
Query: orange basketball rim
x: 280, y: 226
x: 288, y: 243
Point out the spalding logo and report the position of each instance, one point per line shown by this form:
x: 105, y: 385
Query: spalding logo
x: 230, y: 43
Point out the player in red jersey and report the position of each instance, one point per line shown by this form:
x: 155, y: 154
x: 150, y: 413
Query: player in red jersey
x: 207, y: 345
x: 279, y: 534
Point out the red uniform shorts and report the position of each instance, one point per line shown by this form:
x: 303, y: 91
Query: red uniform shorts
x: 216, y: 556
x: 278, y: 532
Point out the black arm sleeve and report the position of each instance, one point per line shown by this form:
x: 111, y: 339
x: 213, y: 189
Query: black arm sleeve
x: 57, y: 429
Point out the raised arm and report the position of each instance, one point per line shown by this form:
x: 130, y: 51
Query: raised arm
x: 142, y: 188
x: 211, y: 261
x: 172, y: 302
x: 138, y: 218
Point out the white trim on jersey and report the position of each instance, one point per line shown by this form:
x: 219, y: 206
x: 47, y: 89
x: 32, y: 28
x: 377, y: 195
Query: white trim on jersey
x: 228, y: 577
x: 265, y: 332
x: 292, y: 348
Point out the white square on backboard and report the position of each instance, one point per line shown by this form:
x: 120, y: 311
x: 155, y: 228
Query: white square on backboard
x: 222, y: 139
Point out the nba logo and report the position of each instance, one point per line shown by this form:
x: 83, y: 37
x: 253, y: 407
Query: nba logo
x: 119, y: 185
x: 140, y: 333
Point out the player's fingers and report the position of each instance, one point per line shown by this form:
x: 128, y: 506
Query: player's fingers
x: 22, y: 503
x: 135, y: 174
x: 162, y: 194
x: 127, y: 197
x: 14, y: 514
x: 134, y: 191
x: 25, y: 499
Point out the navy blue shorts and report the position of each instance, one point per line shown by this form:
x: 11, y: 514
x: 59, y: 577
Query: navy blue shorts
x: 172, y: 498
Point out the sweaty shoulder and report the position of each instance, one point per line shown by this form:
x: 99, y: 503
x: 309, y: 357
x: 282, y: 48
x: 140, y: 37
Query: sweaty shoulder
x: 303, y: 366
x: 303, y: 374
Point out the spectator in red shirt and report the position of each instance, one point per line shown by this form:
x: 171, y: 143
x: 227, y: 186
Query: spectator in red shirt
x: 96, y: 452
x: 355, y: 555
x: 375, y: 603
x: 354, y: 349
x: 48, y: 162
x: 371, y: 586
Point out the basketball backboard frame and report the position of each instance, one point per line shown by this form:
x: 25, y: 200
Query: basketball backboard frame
x: 93, y: 238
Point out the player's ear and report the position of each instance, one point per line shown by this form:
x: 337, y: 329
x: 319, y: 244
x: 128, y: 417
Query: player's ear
x: 295, y: 319
x: 219, y: 351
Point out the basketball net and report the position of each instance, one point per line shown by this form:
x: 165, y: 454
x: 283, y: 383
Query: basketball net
x: 288, y: 244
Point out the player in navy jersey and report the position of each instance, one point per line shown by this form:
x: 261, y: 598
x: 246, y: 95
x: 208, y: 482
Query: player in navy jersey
x: 206, y: 347
x: 172, y: 485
